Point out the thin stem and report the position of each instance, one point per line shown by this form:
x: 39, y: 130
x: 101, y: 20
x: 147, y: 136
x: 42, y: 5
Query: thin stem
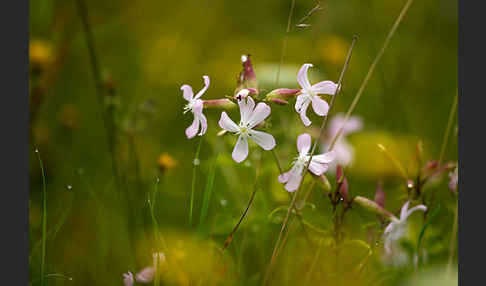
x: 371, y: 70
x: 314, y: 262
x: 284, y: 45
x: 292, y: 204
x: 193, y: 186
x: 44, y: 219
x: 448, y: 129
x: 452, y: 242
x: 229, y: 238
x: 95, y: 68
x: 280, y: 171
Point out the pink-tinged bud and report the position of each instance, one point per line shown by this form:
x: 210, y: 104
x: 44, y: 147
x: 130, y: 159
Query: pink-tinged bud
x: 343, y: 190
x: 410, y: 184
x: 282, y: 93
x: 219, y: 103
x: 278, y: 101
x: 380, y: 195
x: 339, y: 174
x: 430, y: 166
x: 373, y: 207
x: 246, y: 78
x: 253, y: 90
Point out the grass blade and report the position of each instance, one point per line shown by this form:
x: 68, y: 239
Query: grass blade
x: 193, y: 187
x: 44, y: 219
x: 207, y: 193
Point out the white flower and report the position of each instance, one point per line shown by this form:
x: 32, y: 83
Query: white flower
x: 453, y: 179
x: 343, y: 149
x: 250, y: 117
x: 128, y: 279
x: 310, y: 94
x: 195, y: 105
x: 318, y: 164
x: 395, y: 230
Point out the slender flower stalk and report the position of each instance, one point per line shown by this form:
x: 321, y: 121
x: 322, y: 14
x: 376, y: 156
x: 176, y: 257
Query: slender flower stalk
x: 195, y: 162
x: 372, y: 69
x: 292, y: 203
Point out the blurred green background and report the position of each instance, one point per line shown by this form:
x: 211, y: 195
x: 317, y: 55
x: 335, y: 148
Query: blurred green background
x: 147, y: 49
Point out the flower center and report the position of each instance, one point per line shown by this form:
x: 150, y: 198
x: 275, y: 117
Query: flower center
x: 302, y: 159
x: 188, y: 107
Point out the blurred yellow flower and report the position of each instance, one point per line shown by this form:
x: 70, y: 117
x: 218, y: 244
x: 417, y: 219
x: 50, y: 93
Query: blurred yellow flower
x: 40, y: 54
x: 333, y: 49
x: 166, y: 162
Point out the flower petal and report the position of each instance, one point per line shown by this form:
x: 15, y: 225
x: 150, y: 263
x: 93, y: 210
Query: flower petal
x: 227, y: 124
x: 187, y: 92
x: 204, y: 123
x: 203, y: 90
x: 263, y: 139
x: 415, y: 208
x: 403, y: 211
x: 320, y: 106
x: 325, y: 158
x: 304, y: 143
x: 128, y: 279
x: 302, y: 78
x: 318, y: 168
x: 261, y: 112
x: 191, y: 131
x: 303, y: 113
x: 283, y: 178
x: 247, y: 105
x: 240, y: 152
x: 324, y: 87
x: 146, y: 275
x: 294, y: 178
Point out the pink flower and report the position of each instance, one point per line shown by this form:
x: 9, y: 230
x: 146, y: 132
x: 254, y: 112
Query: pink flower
x: 128, y: 279
x: 396, y: 229
x: 454, y: 179
x: 344, y: 150
x: 251, y: 116
x: 147, y: 274
x: 310, y: 94
x: 195, y: 105
x: 318, y: 165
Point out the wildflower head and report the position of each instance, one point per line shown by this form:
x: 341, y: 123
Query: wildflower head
x: 310, y: 94
x: 128, y: 279
x: 397, y: 227
x: 195, y: 106
x: 318, y: 164
x: 247, y: 77
x: 251, y: 116
x: 166, y: 162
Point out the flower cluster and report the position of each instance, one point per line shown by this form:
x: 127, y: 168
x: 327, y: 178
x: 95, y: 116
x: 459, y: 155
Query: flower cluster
x: 253, y: 115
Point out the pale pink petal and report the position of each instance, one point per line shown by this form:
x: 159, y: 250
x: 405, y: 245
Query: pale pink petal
x: 283, y: 178
x: 240, y: 152
x: 403, y: 211
x: 227, y: 124
x: 324, y: 87
x: 303, y: 113
x: 198, y: 106
x: 204, y: 123
x: 191, y: 131
x: 264, y: 140
x: 261, y: 112
x: 203, y: 90
x: 302, y: 78
x: 344, y: 152
x: 318, y: 168
x: 128, y: 279
x: 389, y: 228
x: 354, y: 123
x: 304, y: 143
x: 325, y: 158
x: 247, y: 105
x: 146, y: 275
x: 187, y: 92
x: 294, y: 178
x: 387, y: 245
x: 416, y: 208
x: 320, y: 106
x: 301, y: 98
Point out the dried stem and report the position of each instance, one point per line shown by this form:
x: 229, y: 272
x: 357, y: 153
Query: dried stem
x: 292, y: 204
x: 448, y: 129
x: 95, y: 67
x: 284, y: 45
x: 371, y: 70
x: 229, y: 238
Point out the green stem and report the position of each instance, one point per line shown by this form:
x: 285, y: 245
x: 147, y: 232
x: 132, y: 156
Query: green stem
x: 448, y: 129
x: 44, y: 219
x: 193, y: 187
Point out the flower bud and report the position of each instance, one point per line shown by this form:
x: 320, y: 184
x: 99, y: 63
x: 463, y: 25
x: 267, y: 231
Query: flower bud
x: 373, y: 207
x: 246, y: 78
x: 339, y: 174
x: 219, y: 103
x: 380, y: 195
x: 278, y: 101
x: 343, y: 190
x: 282, y: 93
